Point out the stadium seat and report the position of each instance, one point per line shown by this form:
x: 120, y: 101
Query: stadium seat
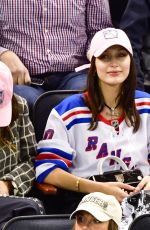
x: 141, y: 222
x: 43, y: 106
x: 38, y: 222
x: 41, y: 110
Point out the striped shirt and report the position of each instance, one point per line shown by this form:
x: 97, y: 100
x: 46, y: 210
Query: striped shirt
x: 68, y: 143
x: 51, y: 35
x: 16, y: 164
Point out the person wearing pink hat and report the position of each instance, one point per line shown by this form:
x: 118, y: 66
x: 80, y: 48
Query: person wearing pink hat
x: 17, y: 140
x: 109, y: 118
x: 97, y: 211
x: 17, y: 152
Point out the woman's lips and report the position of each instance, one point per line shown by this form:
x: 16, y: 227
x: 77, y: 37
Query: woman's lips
x: 114, y: 73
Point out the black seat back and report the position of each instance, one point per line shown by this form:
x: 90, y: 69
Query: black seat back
x: 141, y: 222
x: 38, y: 222
x: 44, y: 105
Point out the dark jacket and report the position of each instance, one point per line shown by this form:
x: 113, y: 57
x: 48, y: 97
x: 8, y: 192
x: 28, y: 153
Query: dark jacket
x: 136, y: 23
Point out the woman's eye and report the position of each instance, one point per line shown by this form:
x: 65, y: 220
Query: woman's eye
x: 104, y: 57
x: 80, y: 219
x: 95, y: 221
x: 122, y: 54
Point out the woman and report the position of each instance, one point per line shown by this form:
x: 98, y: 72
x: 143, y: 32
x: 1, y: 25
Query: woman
x: 17, y: 140
x: 97, y: 211
x: 109, y: 118
x: 17, y: 152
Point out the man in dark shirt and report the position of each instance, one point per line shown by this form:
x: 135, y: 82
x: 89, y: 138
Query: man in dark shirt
x: 136, y: 23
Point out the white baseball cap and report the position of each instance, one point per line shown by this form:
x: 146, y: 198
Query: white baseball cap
x: 106, y: 38
x: 102, y: 206
x: 6, y: 92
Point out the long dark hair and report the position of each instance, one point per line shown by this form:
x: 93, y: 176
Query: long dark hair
x: 5, y: 132
x: 95, y: 99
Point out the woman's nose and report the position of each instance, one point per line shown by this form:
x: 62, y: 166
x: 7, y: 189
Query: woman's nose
x: 114, y: 63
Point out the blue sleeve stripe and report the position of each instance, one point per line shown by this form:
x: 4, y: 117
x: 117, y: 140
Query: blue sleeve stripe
x: 73, y: 101
x: 58, y: 163
x: 78, y: 121
x: 141, y: 94
x: 141, y: 111
x: 42, y: 176
x: 56, y: 151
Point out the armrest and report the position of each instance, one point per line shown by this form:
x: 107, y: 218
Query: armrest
x: 46, y: 188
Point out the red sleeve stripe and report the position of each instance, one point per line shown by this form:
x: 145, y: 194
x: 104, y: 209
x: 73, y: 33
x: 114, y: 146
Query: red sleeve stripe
x: 142, y: 103
x: 75, y: 113
x: 53, y: 156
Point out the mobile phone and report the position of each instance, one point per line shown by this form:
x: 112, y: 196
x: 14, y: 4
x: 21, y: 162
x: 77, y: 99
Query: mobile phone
x: 37, y: 81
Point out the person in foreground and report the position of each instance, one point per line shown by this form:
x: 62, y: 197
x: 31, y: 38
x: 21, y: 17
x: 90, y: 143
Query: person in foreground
x: 17, y: 140
x: 97, y: 211
x: 109, y: 118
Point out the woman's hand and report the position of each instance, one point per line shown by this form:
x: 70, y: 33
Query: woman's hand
x: 4, y: 188
x: 118, y: 189
x: 144, y: 184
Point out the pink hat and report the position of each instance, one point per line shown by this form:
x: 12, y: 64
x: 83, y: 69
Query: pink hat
x: 6, y: 92
x: 106, y: 38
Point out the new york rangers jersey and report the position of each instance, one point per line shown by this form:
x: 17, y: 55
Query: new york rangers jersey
x: 70, y: 145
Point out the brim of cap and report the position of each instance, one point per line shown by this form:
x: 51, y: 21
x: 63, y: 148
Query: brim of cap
x: 112, y: 43
x: 6, y: 115
x: 93, y: 210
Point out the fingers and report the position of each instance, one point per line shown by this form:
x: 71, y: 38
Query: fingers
x: 22, y: 77
x: 127, y: 187
x: 121, y: 195
x: 3, y: 188
x: 138, y: 188
x: 144, y: 184
x: 125, y: 191
x: 27, y: 78
x: 120, y: 190
x: 19, y: 72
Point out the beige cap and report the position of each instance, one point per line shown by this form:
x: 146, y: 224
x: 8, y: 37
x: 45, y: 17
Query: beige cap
x: 103, y: 207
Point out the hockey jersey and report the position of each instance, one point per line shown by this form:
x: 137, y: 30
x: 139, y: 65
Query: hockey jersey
x: 70, y: 145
